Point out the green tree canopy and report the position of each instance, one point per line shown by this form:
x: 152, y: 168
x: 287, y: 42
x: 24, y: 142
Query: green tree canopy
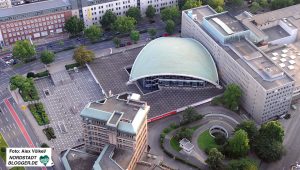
x: 108, y: 19
x: 216, y: 3
x: 26, y: 87
x: 189, y: 115
x: 184, y: 133
x: 263, y: 3
x: 16, y: 82
x: 214, y: 159
x: 117, y: 41
x: 231, y: 97
x: 23, y: 50
x: 242, y: 164
x: 219, y: 9
x: 134, y: 36
x: 170, y: 13
x: 277, y: 4
x: 74, y: 26
x: 191, y: 4
x: 152, y: 32
x: 82, y: 55
x: 47, y: 57
x: 254, y: 7
x: 124, y: 24
x: 238, y: 145
x: 93, y: 33
x: 134, y: 12
x: 250, y: 127
x: 268, y: 143
x: 170, y: 26
x: 150, y: 12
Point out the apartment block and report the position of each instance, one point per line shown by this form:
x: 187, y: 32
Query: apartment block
x: 116, y: 127
x: 33, y: 21
x: 267, y: 88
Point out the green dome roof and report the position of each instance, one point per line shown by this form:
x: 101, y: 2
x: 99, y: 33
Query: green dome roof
x: 175, y: 56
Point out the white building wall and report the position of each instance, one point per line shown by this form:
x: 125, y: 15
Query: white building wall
x: 93, y: 14
x: 157, y: 4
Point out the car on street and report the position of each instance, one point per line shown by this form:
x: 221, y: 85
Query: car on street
x: 122, y: 45
x: 129, y: 43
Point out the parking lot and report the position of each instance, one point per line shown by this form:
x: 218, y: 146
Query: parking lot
x: 64, y: 103
x: 111, y: 74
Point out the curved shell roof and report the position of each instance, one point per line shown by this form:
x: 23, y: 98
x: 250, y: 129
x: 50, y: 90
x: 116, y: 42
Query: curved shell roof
x: 175, y: 56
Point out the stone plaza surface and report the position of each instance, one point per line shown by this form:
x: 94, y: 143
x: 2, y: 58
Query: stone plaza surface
x: 64, y: 104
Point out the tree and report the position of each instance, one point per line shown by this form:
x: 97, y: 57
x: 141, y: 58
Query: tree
x: 264, y: 3
x: 219, y: 9
x: 184, y: 133
x: 214, y: 159
x: 152, y: 32
x: 16, y: 81
x: 242, y: 164
x: 124, y: 24
x: 74, y: 26
x: 150, y: 12
x: 93, y: 33
x: 268, y: 143
x: 134, y: 36
x: 254, y: 7
x: 170, y: 13
x: 170, y: 26
x: 47, y: 57
x: 117, y: 41
x: 276, y: 4
x: 216, y: 3
x: 189, y: 115
x: 108, y: 19
x: 238, y: 145
x: 250, y: 127
x: 237, y: 2
x: 135, y: 13
x: 231, y: 97
x: 82, y: 55
x: 23, y: 50
x: 191, y: 4
x: 272, y: 130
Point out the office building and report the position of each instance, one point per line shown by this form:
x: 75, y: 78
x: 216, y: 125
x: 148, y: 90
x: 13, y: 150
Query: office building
x: 238, y: 47
x: 116, y: 127
x: 33, y: 21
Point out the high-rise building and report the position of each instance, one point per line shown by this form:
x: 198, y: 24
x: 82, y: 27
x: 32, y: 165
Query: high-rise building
x: 237, y: 47
x: 116, y: 127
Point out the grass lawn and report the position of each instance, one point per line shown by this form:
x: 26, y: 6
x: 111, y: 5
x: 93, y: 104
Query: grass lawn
x: 175, y: 144
x: 206, y: 142
x: 2, y: 144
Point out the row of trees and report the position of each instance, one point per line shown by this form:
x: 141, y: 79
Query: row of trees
x: 265, y: 142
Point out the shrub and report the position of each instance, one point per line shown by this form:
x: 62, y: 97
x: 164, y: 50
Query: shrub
x: 39, y: 113
x: 44, y: 145
x: 173, y: 125
x: 166, y: 130
x: 71, y: 66
x: 3, y: 149
x: 30, y: 74
x: 49, y: 132
x: 42, y: 74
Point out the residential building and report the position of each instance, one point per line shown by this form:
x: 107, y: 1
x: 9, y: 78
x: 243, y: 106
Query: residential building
x: 116, y: 127
x: 157, y: 4
x: 33, y: 21
x: 267, y: 88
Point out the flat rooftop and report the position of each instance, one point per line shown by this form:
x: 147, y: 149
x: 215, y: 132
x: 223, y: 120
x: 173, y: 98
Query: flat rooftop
x: 201, y: 12
x: 114, y: 104
x: 32, y: 7
x: 164, y: 100
x: 275, y: 33
x: 226, y: 21
x: 122, y: 157
x: 287, y: 57
x: 79, y: 160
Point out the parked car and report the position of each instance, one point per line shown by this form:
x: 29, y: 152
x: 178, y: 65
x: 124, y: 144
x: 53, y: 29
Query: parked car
x: 129, y: 43
x: 165, y: 35
x: 11, y: 61
x: 122, y: 45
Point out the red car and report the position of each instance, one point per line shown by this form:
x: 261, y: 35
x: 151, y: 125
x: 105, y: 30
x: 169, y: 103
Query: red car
x: 129, y: 43
x: 165, y: 35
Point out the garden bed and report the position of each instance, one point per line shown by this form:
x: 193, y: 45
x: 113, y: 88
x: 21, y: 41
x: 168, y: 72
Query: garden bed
x: 49, y: 132
x: 175, y: 144
x: 39, y: 113
x: 206, y: 141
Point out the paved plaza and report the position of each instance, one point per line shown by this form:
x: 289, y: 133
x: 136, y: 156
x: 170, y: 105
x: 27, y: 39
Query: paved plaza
x: 110, y: 71
x: 64, y: 103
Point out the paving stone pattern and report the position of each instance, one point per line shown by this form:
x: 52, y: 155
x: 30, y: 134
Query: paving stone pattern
x: 64, y: 104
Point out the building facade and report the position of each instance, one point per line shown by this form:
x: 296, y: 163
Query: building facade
x: 118, y: 122
x: 33, y: 21
x: 267, y: 89
x: 5, y: 4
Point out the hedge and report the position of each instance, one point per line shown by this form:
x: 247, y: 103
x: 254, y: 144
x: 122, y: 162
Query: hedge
x: 71, y: 66
x: 40, y: 74
x: 49, y: 132
x: 39, y: 113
